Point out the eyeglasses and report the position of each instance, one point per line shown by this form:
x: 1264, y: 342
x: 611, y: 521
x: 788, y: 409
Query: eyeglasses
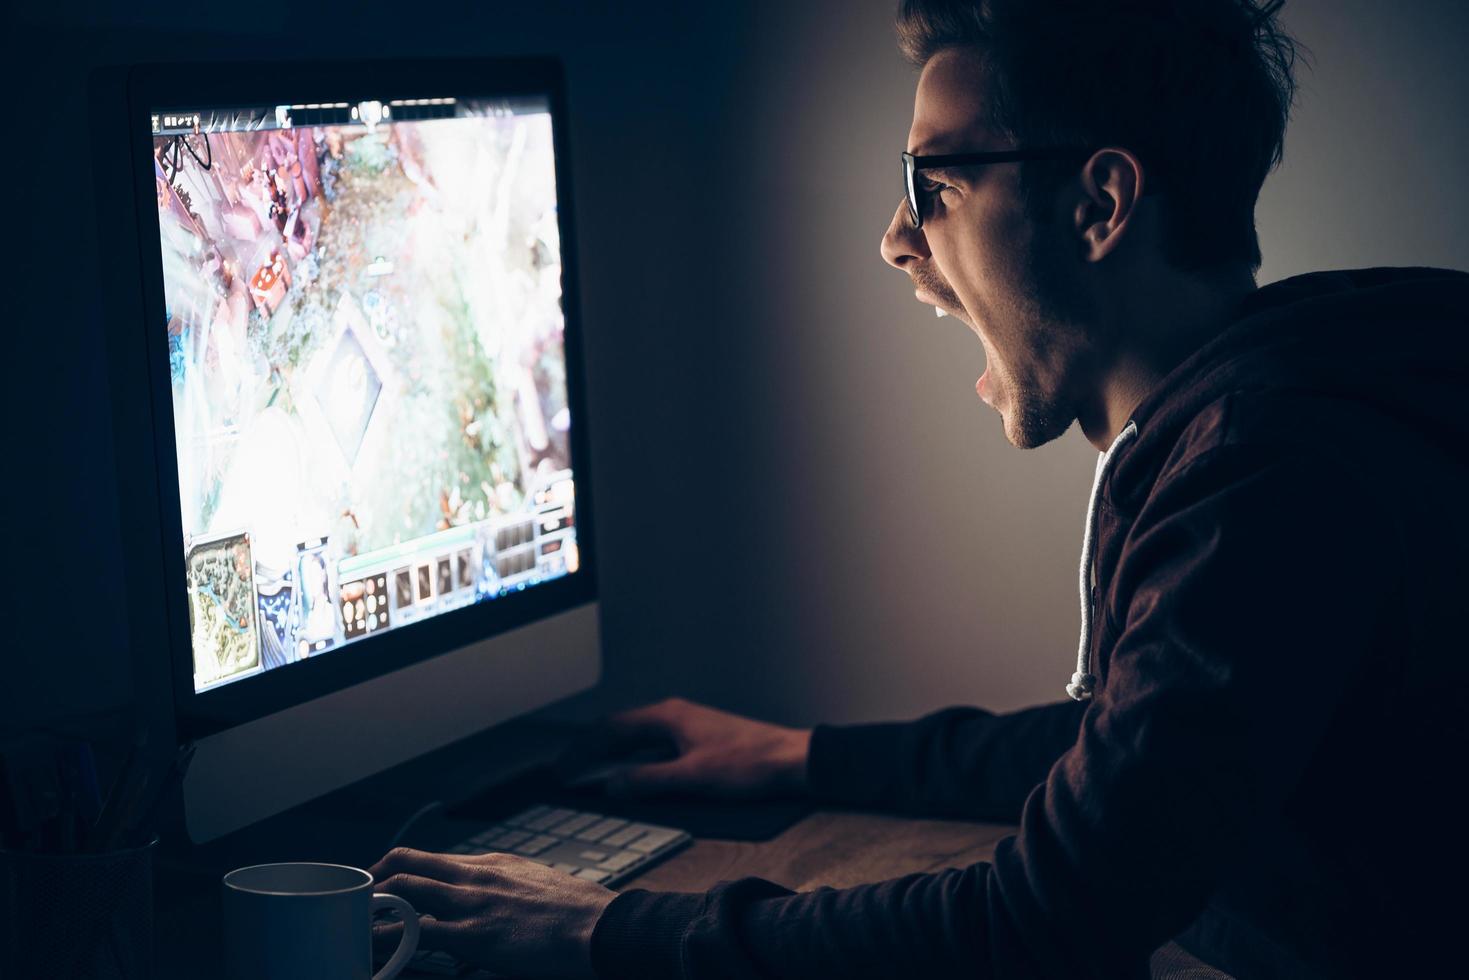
x: 912, y: 165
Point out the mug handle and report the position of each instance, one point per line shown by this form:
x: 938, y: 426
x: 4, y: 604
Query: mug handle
x: 408, y: 945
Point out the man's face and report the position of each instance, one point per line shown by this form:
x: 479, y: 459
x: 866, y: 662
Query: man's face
x: 1014, y: 276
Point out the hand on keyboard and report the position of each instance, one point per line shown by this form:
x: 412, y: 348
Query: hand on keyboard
x: 713, y: 753
x: 502, y: 912
x: 592, y: 847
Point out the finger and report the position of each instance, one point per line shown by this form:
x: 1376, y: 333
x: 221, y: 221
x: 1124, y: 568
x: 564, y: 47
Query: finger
x: 683, y: 774
x: 386, y: 936
x: 429, y: 896
x: 617, y: 735
x: 659, y: 719
x: 432, y: 934
x: 405, y: 860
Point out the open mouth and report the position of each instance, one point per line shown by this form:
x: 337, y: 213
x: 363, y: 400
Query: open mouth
x: 928, y: 300
x: 985, y: 386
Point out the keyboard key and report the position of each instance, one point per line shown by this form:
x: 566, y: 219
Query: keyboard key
x: 624, y: 837
x: 601, y: 829
x: 558, y: 838
x: 486, y: 836
x: 536, y: 845
x: 436, y: 961
x: 549, y: 820
x: 652, y: 840
x: 525, y: 817
x: 576, y: 824
x: 621, y: 860
x: 510, y: 839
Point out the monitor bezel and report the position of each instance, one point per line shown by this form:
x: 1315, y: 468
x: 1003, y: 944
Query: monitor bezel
x: 218, y: 85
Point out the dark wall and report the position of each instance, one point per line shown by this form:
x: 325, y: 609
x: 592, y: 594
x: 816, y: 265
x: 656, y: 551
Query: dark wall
x: 803, y: 510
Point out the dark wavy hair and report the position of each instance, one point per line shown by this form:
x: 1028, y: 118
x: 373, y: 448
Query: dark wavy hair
x: 1199, y: 90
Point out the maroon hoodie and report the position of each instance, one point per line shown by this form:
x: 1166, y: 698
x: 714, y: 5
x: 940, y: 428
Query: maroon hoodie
x: 1272, y: 675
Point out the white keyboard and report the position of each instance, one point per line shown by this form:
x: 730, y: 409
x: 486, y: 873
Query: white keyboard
x: 599, y: 848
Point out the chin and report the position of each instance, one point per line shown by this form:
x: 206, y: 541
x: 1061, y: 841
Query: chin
x: 1018, y: 436
x: 1030, y: 428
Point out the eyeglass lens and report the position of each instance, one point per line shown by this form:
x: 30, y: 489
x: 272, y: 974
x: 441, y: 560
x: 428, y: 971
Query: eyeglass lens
x: 910, y: 185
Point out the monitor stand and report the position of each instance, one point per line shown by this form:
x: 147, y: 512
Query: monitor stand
x: 398, y: 722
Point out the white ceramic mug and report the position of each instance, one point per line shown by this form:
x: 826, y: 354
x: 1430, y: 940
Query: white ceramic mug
x: 298, y: 920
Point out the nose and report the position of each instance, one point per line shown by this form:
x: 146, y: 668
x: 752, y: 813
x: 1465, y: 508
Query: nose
x: 902, y: 243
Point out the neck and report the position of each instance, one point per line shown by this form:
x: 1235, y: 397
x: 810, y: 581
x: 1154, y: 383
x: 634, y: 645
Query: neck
x: 1157, y: 328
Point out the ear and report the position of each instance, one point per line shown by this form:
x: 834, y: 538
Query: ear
x: 1112, y: 188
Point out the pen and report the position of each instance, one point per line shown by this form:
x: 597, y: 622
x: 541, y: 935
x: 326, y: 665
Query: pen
x: 120, y: 796
x: 80, y: 797
x: 88, y: 789
x: 66, y: 815
x: 118, y: 832
x: 170, y: 781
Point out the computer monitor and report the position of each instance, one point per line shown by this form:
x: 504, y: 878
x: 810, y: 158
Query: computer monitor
x: 368, y: 416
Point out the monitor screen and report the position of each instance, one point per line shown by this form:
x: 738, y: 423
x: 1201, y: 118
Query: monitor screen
x: 367, y: 364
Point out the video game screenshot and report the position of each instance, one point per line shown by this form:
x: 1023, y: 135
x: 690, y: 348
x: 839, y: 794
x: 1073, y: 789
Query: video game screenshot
x: 367, y: 363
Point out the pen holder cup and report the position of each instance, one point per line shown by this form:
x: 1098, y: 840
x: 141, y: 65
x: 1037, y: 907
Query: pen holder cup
x: 69, y: 916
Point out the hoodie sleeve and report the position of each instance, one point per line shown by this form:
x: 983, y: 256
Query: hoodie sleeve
x: 959, y: 762
x: 1257, y: 582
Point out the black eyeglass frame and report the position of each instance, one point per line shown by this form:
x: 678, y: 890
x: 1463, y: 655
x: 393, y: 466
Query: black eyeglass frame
x: 913, y: 165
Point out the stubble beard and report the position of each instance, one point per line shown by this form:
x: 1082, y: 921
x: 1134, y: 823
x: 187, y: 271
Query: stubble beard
x: 1036, y: 415
x: 1053, y: 319
x: 1031, y: 422
x: 1029, y: 417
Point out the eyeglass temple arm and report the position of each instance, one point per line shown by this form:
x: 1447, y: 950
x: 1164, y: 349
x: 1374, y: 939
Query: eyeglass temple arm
x: 999, y: 156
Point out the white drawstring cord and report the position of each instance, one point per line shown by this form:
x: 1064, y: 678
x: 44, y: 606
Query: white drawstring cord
x: 1084, y: 682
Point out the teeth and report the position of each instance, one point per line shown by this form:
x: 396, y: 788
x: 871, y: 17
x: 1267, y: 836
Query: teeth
x: 939, y: 312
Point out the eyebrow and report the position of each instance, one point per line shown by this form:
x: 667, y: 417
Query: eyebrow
x: 945, y: 174
x: 929, y: 149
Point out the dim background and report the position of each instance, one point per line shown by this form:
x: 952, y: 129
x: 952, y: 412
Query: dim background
x: 805, y: 513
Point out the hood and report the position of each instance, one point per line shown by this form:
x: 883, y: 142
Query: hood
x: 1396, y: 340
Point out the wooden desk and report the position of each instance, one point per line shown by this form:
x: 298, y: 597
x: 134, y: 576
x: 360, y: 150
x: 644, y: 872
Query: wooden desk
x: 842, y: 849
x: 352, y: 826
x: 830, y: 848
x: 833, y: 848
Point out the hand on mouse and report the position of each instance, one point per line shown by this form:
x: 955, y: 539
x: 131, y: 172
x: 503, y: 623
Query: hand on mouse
x: 715, y: 753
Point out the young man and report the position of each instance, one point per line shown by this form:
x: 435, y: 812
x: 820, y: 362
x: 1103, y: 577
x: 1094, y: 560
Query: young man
x: 1269, y: 665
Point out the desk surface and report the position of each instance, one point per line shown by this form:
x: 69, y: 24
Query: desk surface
x: 836, y: 848
x: 833, y: 848
x: 843, y: 849
x: 830, y: 848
